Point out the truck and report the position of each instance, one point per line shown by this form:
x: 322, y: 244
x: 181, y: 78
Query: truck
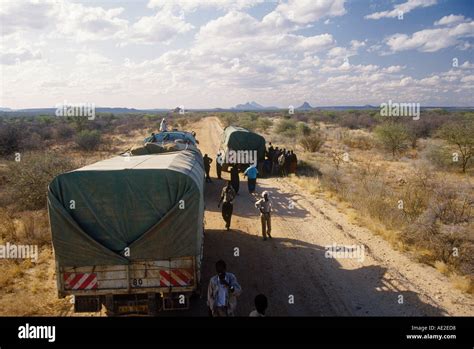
x: 127, y: 232
x: 243, y: 144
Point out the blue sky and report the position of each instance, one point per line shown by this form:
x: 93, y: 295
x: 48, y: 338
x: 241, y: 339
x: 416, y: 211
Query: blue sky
x: 218, y: 53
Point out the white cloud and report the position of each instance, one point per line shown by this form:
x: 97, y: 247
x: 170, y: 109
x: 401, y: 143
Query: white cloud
x: 89, y: 23
x: 467, y: 65
x: 160, y: 28
x: 68, y: 19
x: 431, y: 40
x: 451, y: 19
x: 92, y: 58
x: 403, y: 8
x: 18, y: 56
x: 305, y: 11
x: 239, y: 33
x: 468, y: 79
x: 25, y: 15
x: 193, y: 5
x: 231, y: 59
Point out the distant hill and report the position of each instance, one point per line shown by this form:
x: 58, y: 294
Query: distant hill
x: 305, y: 106
x: 250, y: 106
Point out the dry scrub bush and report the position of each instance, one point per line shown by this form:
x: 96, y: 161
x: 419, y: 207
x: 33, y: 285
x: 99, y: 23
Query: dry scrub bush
x: 88, y: 140
x: 11, y: 270
x: 312, y: 143
x: 10, y: 138
x: 286, y: 127
x: 357, y: 141
x: 7, y: 228
x: 30, y: 177
x: 445, y: 228
x: 33, y: 228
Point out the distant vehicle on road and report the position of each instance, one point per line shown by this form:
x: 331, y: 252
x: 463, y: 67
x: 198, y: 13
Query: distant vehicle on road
x: 241, y: 147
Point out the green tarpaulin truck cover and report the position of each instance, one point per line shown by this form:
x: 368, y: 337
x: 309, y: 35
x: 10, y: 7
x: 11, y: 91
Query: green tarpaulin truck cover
x: 239, y: 138
x: 152, y: 204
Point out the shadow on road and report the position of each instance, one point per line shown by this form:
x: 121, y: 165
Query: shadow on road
x: 280, y: 268
x: 244, y: 203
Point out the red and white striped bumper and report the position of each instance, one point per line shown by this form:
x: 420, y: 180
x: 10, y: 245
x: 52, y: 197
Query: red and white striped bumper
x: 176, y: 277
x: 80, y: 281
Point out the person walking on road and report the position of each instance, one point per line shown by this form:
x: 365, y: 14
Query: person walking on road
x: 227, y: 198
x: 265, y: 207
x: 222, y: 292
x: 234, y: 178
x: 251, y: 173
x: 261, y: 304
x: 219, y: 160
x: 207, y: 167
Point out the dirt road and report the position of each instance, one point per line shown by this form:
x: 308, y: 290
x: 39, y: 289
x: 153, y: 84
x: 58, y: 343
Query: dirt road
x: 292, y: 269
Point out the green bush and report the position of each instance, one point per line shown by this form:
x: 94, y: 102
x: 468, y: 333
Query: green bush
x: 392, y: 136
x: 264, y: 124
x: 460, y: 135
x: 88, y: 139
x: 303, y: 129
x: 439, y: 156
x: 286, y: 126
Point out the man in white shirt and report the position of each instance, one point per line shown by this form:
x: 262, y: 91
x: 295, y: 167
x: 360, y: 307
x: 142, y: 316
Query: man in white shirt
x: 265, y: 207
x: 222, y: 292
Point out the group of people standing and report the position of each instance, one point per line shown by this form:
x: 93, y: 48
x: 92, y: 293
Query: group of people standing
x: 280, y: 162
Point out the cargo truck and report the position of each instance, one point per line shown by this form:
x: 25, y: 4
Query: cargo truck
x: 241, y: 147
x: 127, y: 232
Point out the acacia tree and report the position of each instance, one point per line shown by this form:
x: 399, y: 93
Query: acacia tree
x: 393, y: 136
x: 461, y: 135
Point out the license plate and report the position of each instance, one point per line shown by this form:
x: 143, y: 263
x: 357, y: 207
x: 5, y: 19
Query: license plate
x: 133, y: 309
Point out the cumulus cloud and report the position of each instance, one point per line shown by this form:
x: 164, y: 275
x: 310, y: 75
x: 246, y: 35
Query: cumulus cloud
x: 61, y: 18
x: 230, y: 59
x: 431, y: 40
x: 238, y: 32
x: 193, y: 5
x: 25, y: 15
x: 88, y: 23
x: 451, y: 19
x: 18, y: 55
x: 160, y: 28
x: 304, y: 11
x: 403, y: 8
